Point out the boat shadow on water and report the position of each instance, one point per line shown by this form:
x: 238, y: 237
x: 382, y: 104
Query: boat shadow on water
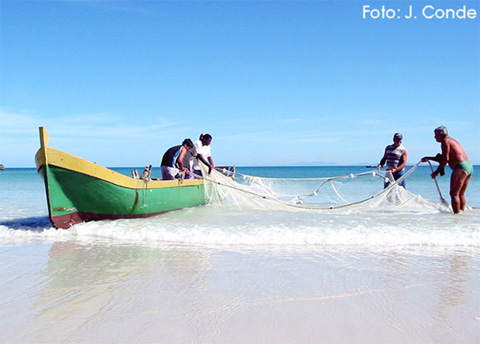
x: 33, y: 223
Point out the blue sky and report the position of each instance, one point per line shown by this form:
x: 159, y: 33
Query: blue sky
x: 274, y: 82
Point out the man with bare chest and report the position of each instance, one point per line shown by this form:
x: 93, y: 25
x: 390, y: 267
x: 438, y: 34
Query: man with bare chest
x: 454, y: 155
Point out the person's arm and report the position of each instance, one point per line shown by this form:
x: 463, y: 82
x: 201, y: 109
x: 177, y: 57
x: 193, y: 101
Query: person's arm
x: 210, y: 160
x: 382, y: 162
x: 444, y: 160
x: 438, y: 158
x: 181, y: 156
x: 202, y: 159
x: 403, y: 159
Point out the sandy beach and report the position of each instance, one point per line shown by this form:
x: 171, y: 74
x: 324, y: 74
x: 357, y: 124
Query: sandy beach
x: 96, y: 292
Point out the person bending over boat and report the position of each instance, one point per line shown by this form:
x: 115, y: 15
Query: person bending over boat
x: 200, y: 152
x: 455, y: 156
x: 395, y: 156
x: 172, y: 161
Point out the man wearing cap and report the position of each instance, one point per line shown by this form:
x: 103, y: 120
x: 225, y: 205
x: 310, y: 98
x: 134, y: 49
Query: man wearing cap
x: 454, y: 155
x: 395, y: 156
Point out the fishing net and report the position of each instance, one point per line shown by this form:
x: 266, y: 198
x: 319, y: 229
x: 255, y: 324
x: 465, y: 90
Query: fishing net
x: 362, y: 192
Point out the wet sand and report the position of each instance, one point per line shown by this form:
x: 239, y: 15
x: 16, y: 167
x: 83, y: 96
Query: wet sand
x: 99, y: 292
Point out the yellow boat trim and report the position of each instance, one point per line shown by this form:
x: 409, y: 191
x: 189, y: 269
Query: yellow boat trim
x: 50, y: 156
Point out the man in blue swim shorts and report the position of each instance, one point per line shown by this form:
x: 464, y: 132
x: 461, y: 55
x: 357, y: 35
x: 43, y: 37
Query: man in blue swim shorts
x: 454, y: 155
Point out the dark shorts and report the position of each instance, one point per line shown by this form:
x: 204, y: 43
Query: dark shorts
x: 396, y: 176
x: 466, y: 166
x: 198, y: 174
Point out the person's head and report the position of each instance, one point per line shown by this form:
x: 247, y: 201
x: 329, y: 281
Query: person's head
x: 397, y: 139
x: 206, y: 139
x: 187, y: 143
x: 440, y: 133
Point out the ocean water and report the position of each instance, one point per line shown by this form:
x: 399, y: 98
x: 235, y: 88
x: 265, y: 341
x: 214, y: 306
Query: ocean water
x: 23, y: 216
x: 243, y: 273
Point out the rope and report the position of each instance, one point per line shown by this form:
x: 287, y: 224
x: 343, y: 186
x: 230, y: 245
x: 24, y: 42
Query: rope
x: 246, y: 176
x: 315, y: 192
x: 387, y: 189
x: 337, y: 193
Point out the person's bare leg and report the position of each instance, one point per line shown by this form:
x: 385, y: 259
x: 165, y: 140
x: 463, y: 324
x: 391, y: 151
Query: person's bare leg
x: 457, y: 182
x: 463, y: 200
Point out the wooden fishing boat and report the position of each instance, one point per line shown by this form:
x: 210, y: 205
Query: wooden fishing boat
x: 78, y: 190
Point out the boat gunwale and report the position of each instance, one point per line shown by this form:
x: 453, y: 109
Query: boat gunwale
x: 60, y: 159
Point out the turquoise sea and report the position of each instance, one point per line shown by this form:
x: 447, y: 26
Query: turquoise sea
x: 243, y: 274
x: 23, y: 209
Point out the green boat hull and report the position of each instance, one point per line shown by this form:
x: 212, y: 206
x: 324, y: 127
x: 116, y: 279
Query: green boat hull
x: 74, y: 197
